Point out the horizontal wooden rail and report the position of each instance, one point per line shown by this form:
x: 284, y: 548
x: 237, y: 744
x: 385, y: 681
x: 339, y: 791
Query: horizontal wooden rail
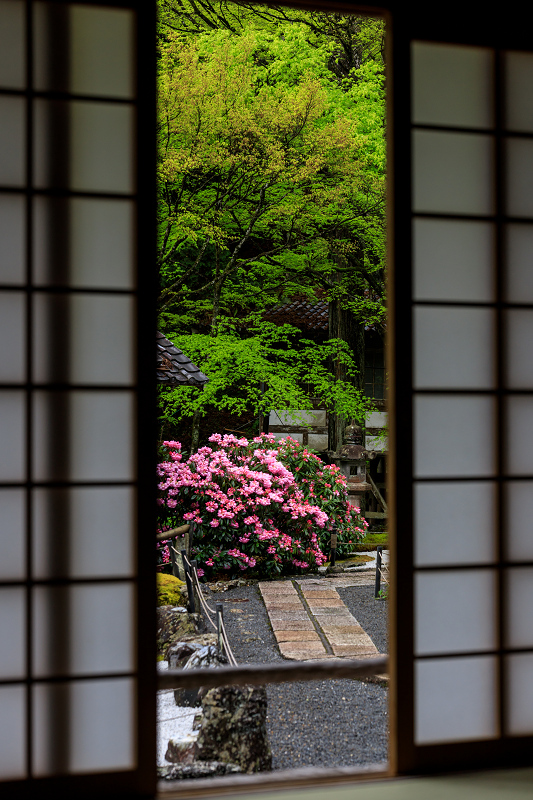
x: 172, y: 533
x: 273, y: 673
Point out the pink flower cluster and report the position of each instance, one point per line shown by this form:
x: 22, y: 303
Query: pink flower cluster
x: 249, y: 508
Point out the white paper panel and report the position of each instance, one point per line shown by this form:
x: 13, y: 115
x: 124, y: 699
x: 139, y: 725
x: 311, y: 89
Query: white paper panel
x: 100, y: 727
x: 101, y: 51
x: 12, y: 436
x: 455, y: 699
x: 12, y: 632
x: 455, y: 611
x: 454, y: 436
x: 100, y: 242
x: 12, y: 331
x: 454, y: 523
x: 519, y: 92
x: 12, y: 266
x: 12, y: 140
x: 102, y: 531
x: 520, y: 693
x: 12, y: 732
x: 452, y: 85
x: 519, y: 256
x: 519, y: 177
x: 100, y: 628
x: 519, y: 503
x: 12, y: 44
x: 519, y: 629
x: 93, y: 437
x: 453, y: 260
x: 100, y: 335
x: 519, y: 354
x: 454, y: 348
x: 453, y: 173
x: 101, y: 146
x: 12, y: 534
x: 519, y: 435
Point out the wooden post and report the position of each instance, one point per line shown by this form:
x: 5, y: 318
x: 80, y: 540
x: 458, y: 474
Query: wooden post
x: 220, y: 617
x: 333, y: 547
x: 377, y: 586
x: 188, y: 580
x: 197, y: 603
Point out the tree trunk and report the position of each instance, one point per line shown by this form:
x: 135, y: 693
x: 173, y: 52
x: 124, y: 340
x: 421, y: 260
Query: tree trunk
x: 343, y: 326
x: 195, y: 433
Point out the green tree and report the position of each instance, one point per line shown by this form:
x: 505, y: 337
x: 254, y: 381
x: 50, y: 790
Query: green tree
x: 271, y: 175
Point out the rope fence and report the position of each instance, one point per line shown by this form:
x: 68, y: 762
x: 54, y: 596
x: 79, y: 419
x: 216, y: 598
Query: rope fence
x: 191, y: 574
x: 235, y: 674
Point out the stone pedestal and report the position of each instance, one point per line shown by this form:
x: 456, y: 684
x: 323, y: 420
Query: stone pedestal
x: 357, y: 491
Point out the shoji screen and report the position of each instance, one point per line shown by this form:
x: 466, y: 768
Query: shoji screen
x: 472, y: 405
x: 69, y: 394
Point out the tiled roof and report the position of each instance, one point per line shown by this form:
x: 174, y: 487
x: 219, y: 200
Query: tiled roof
x: 174, y: 367
x: 301, y: 312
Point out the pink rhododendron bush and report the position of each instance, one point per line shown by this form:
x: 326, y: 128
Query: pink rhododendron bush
x: 264, y: 506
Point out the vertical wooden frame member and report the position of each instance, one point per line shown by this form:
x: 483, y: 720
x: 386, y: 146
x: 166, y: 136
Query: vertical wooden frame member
x: 147, y: 285
x: 399, y: 369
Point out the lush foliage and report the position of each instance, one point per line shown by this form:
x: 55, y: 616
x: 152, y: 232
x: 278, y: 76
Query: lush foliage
x: 238, y: 365
x: 271, y: 177
x: 257, y: 505
x: 169, y: 590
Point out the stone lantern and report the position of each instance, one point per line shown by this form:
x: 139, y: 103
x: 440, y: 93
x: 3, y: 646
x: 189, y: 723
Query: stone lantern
x: 351, y: 458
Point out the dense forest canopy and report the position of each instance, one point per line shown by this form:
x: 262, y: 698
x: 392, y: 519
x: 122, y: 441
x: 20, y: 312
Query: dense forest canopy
x: 271, y: 186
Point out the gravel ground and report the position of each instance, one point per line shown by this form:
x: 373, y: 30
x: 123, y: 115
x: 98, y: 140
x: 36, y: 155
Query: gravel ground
x: 316, y: 723
x: 369, y: 612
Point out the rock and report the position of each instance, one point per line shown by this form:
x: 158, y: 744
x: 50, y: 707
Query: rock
x: 207, y: 657
x: 182, y: 751
x: 234, y: 728
x: 199, y: 623
x: 194, y: 641
x: 179, y: 653
x: 197, y: 721
x: 198, y: 769
x: 173, y: 623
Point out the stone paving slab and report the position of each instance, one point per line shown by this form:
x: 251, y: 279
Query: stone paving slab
x: 292, y: 624
x: 275, y: 587
x: 359, y: 639
x: 303, y: 653
x: 351, y: 650
x: 280, y: 614
x: 275, y: 606
x: 296, y: 626
x: 297, y: 636
x: 335, y: 612
x: 325, y: 603
x: 342, y: 629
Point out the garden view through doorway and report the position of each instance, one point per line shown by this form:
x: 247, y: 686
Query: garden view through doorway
x: 273, y: 419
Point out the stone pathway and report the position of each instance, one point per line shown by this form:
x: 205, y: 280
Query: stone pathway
x: 310, y: 620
